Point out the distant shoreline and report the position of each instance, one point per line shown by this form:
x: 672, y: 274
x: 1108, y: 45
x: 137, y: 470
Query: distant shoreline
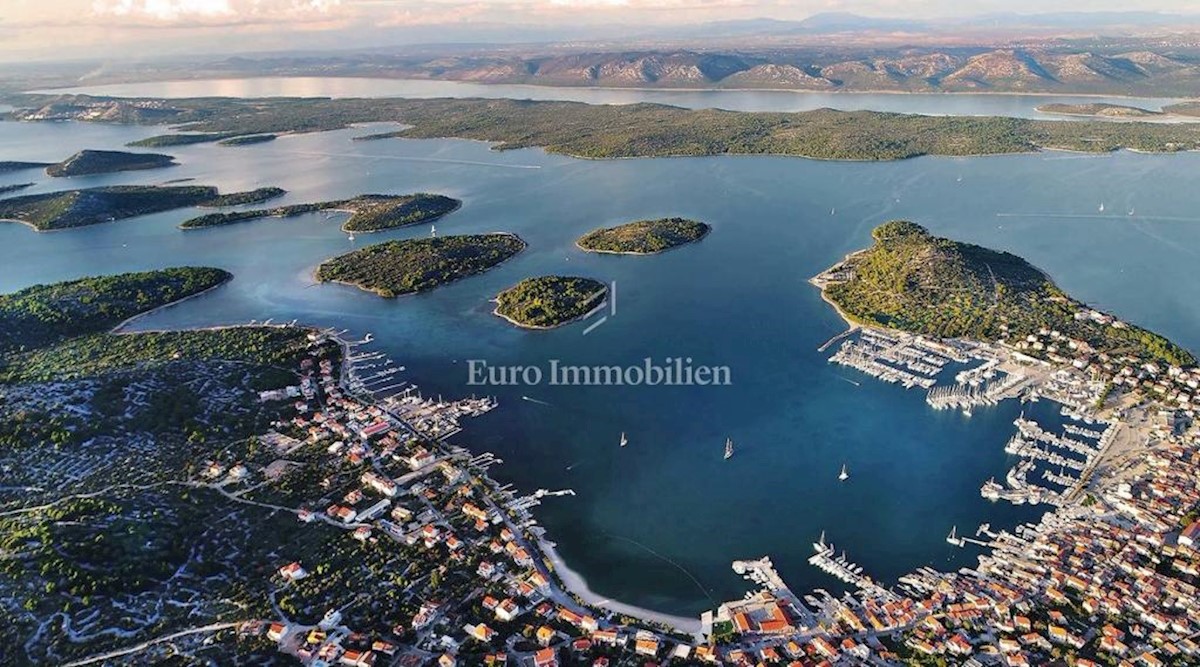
x: 82, y: 90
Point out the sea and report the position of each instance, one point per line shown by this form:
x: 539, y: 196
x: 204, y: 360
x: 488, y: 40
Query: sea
x: 657, y: 523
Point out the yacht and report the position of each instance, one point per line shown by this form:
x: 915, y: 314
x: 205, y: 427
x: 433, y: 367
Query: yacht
x: 624, y: 440
x: 844, y: 474
x: 728, y: 447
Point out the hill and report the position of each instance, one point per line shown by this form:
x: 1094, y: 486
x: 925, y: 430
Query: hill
x: 90, y: 162
x: 914, y: 281
x: 414, y: 265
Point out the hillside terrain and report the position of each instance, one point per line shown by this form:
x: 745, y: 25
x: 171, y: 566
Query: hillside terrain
x: 1099, y: 68
x: 913, y: 281
x: 89, y: 162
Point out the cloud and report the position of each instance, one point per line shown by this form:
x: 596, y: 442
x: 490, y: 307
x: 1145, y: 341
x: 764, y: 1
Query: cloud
x: 203, y: 11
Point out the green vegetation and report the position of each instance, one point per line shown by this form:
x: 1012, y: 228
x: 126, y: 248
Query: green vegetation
x: 86, y: 163
x: 914, y: 281
x: 1098, y: 109
x: 46, y: 314
x: 369, y: 213
x: 647, y: 130
x: 181, y: 139
x: 89, y: 356
x: 373, y: 213
x: 5, y: 189
x: 256, y: 196
x: 413, y: 265
x: 10, y: 165
x: 77, y: 208
x: 549, y: 301
x: 247, y: 139
x: 644, y: 237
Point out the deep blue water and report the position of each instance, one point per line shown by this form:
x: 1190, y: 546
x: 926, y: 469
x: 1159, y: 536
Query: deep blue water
x: 668, y: 502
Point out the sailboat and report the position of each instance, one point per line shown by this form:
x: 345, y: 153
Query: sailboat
x: 728, y: 447
x: 624, y: 440
x: 433, y: 231
x: 1101, y: 207
x: 351, y: 237
x: 843, y: 475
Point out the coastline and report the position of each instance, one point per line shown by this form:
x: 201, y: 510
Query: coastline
x: 127, y: 321
x: 575, y: 583
x: 233, y: 76
x: 536, y: 327
x: 707, y: 231
x: 317, y: 280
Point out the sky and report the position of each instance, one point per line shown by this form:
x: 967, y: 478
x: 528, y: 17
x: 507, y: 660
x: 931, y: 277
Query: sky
x: 133, y: 28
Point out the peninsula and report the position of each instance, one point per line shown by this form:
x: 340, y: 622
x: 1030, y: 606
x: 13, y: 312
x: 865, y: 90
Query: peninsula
x: 369, y: 213
x: 652, y: 130
x: 414, y: 265
x: 89, y: 206
x: 644, y: 237
x: 913, y: 281
x: 546, y: 302
x: 88, y: 162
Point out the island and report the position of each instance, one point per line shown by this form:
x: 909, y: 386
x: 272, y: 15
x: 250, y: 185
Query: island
x: 89, y: 162
x: 256, y: 196
x: 1099, y: 110
x: 644, y: 237
x: 369, y: 213
x: 5, y: 189
x: 180, y: 139
x: 247, y: 139
x: 647, y: 130
x: 913, y: 281
x: 546, y: 302
x: 15, y: 165
x: 406, y: 266
x: 89, y: 206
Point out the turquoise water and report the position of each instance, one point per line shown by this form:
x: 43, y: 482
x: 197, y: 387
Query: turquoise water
x: 958, y: 104
x: 666, y: 509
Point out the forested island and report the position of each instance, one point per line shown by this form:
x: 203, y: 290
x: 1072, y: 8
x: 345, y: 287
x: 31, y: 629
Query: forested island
x: 368, y: 213
x: 17, y: 165
x: 181, y: 139
x: 413, y: 265
x: 546, y: 302
x: 246, y: 140
x: 256, y: 196
x: 5, y: 189
x: 644, y: 237
x: 64, y: 209
x: 913, y: 281
x: 651, y: 130
x: 89, y: 162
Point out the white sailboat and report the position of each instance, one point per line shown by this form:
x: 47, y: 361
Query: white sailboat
x: 844, y: 474
x: 624, y: 440
x: 728, y: 447
x: 1101, y: 207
